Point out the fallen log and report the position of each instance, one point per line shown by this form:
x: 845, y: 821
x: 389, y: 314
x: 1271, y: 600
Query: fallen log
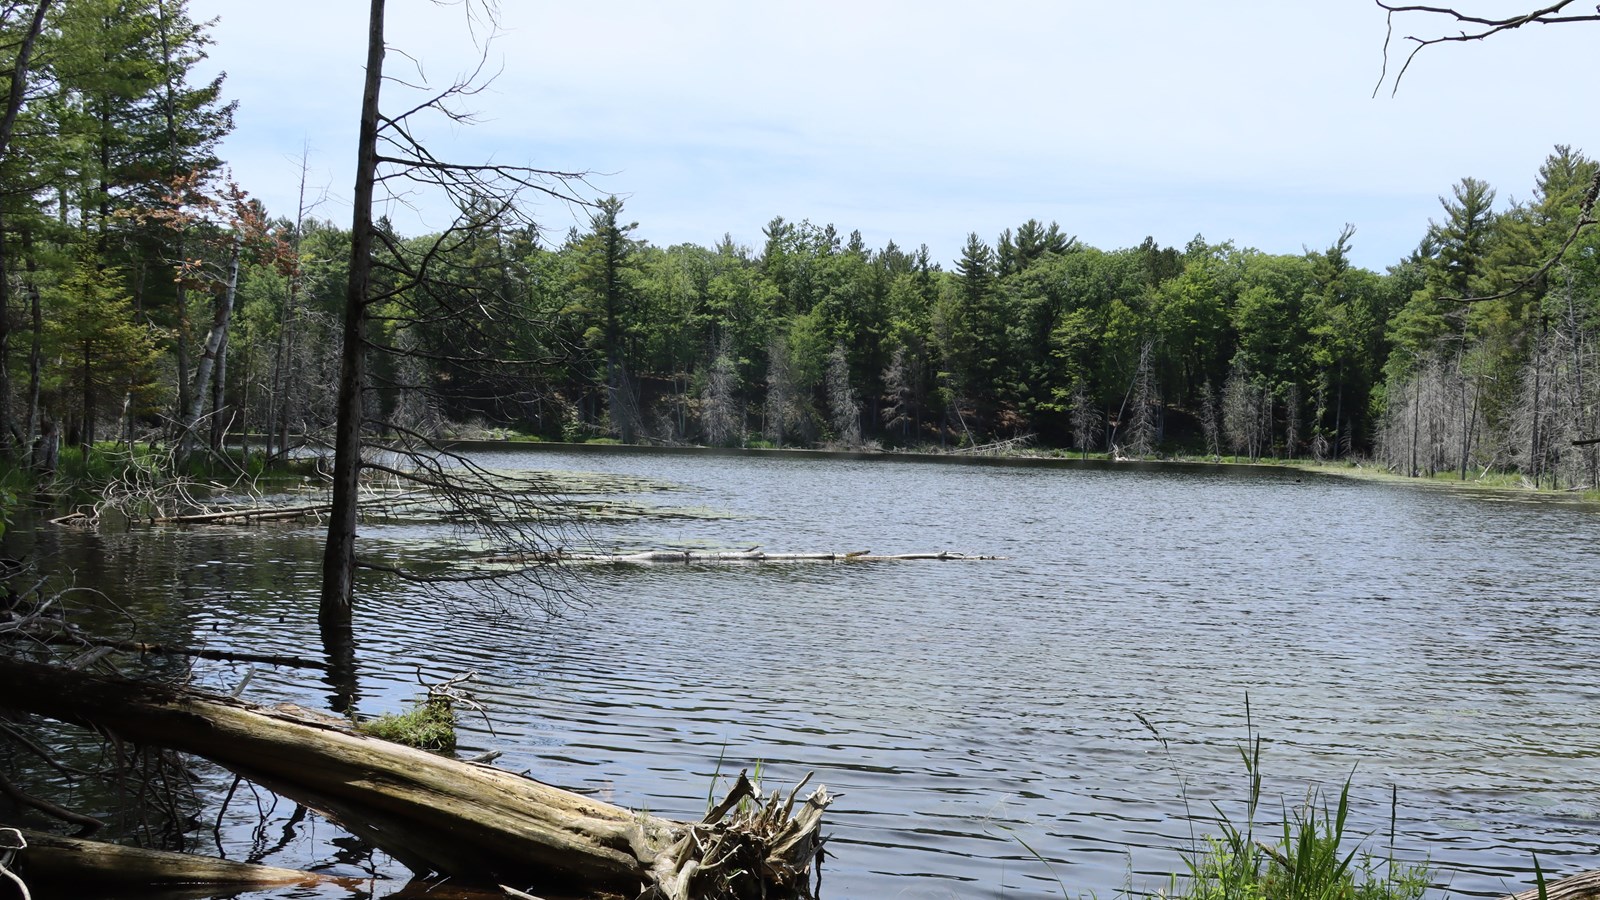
x: 753, y: 555
x: 1584, y: 886
x: 75, y: 639
x: 50, y: 860
x: 435, y: 815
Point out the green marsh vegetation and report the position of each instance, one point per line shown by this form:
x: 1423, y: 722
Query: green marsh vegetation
x: 1307, y: 851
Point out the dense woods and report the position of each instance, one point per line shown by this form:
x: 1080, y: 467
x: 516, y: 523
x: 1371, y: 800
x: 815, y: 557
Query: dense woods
x: 148, y: 298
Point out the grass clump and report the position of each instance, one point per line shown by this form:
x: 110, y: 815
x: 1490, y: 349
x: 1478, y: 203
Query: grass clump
x: 429, y: 725
x: 1312, y: 855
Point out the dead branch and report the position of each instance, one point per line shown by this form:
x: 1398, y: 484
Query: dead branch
x: 88, y: 824
x: 1486, y: 27
x: 74, y: 639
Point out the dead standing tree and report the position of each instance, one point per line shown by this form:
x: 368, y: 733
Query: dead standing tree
x: 390, y: 156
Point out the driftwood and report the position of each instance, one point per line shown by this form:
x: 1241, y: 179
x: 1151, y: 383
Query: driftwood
x: 74, y: 639
x: 435, y: 815
x: 753, y: 555
x: 50, y: 860
x: 245, y: 515
x: 1585, y: 886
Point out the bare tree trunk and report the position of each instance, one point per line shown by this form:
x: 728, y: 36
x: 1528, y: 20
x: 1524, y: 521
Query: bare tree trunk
x: 8, y: 427
x: 1535, y: 448
x: 339, y: 552
x: 219, y: 398
x: 1416, y: 418
x: 35, y: 352
x: 216, y: 346
x: 86, y: 435
x: 277, y: 401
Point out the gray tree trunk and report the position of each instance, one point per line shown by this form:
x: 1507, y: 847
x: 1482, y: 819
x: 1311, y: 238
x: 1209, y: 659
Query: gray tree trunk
x: 339, y: 551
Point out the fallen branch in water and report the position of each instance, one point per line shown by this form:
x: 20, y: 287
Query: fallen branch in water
x: 72, y: 639
x: 261, y: 513
x: 753, y: 555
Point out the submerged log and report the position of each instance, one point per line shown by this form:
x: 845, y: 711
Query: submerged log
x: 51, y: 860
x: 437, y: 815
x: 753, y: 555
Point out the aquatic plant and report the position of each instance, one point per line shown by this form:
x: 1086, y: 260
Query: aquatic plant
x: 429, y: 725
x: 1315, y: 857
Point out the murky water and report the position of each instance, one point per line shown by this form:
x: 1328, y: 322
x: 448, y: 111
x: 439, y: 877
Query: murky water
x: 982, y: 719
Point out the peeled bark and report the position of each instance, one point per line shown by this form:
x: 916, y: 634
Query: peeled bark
x: 433, y: 814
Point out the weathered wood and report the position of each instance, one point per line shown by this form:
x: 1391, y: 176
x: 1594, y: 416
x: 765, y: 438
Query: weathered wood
x: 754, y: 555
x: 433, y: 814
x: 1584, y: 886
x: 54, y: 860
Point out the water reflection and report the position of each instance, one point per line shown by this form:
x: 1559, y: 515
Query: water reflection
x: 1436, y: 644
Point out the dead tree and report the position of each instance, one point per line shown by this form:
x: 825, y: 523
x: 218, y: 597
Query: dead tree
x: 844, y: 412
x: 382, y: 271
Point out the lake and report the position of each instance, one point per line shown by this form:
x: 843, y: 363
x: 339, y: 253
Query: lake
x: 983, y: 722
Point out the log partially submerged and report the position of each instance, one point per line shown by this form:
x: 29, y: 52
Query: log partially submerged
x: 436, y: 815
x: 753, y: 555
x: 50, y: 859
x: 1584, y: 886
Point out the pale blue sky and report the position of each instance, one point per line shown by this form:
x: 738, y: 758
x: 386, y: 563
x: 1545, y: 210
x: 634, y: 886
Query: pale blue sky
x: 922, y: 121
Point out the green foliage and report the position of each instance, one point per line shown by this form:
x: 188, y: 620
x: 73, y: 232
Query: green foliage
x: 603, y: 334
x: 429, y: 725
x: 1314, y: 856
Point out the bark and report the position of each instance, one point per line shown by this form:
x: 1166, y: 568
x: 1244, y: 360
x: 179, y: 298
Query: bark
x: 50, y: 860
x: 210, y: 359
x: 339, y: 552
x: 434, y: 814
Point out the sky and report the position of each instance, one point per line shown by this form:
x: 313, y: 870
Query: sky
x: 920, y: 122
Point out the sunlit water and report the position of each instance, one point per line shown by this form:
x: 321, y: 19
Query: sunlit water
x: 981, y: 720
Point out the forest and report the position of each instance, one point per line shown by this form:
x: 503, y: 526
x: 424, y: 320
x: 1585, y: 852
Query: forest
x: 150, y: 301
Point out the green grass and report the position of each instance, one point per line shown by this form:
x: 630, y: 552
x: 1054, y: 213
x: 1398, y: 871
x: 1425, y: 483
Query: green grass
x: 1311, y: 855
x: 429, y: 725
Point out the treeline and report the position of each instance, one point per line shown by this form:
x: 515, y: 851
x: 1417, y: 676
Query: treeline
x: 148, y: 298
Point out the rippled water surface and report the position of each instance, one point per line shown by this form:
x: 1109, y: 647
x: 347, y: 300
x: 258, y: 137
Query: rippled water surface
x: 981, y: 720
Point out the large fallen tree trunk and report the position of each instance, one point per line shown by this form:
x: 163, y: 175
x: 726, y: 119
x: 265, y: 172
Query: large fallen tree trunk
x: 433, y: 814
